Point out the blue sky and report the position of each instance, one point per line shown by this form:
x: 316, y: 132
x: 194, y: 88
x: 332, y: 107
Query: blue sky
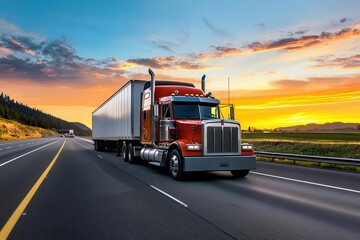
x: 101, y: 29
x: 265, y: 47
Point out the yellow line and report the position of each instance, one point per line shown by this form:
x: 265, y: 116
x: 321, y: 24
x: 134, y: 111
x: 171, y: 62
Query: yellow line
x: 10, y: 224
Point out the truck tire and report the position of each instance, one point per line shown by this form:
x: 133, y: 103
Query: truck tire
x: 176, y: 165
x: 96, y: 145
x: 124, y: 152
x: 239, y: 173
x: 130, y: 154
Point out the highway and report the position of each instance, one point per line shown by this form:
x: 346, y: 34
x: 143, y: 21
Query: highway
x: 56, y: 188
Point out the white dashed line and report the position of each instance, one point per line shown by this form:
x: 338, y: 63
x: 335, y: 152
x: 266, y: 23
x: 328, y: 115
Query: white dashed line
x: 2, y: 164
x: 8, y: 147
x: 306, y: 182
x: 169, y: 196
x: 100, y: 156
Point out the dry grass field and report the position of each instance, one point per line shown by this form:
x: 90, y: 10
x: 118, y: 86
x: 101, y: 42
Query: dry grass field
x: 344, y: 145
x: 12, y: 130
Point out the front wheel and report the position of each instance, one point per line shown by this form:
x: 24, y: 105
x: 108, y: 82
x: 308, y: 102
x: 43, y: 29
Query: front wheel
x: 176, y: 165
x: 239, y: 173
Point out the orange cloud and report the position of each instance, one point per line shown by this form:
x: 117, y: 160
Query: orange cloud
x: 346, y: 62
x: 169, y: 63
x: 286, y: 44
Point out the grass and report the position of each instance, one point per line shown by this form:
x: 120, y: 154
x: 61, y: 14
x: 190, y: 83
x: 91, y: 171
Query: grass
x: 348, y: 138
x: 342, y: 145
x: 12, y: 130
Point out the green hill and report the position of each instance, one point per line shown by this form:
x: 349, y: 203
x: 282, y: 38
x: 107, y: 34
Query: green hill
x: 13, y: 110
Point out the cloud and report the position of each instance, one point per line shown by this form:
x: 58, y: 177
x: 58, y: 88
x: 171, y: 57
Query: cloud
x: 171, y: 45
x: 22, y: 44
x: 343, y: 20
x: 260, y: 25
x: 291, y: 44
x: 23, y: 57
x: 219, y: 32
x: 169, y: 63
x: 346, y: 62
x: 283, y: 44
x: 165, y: 45
x: 216, y: 52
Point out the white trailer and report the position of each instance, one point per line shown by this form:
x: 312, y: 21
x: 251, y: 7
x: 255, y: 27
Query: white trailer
x: 71, y: 133
x: 118, y: 118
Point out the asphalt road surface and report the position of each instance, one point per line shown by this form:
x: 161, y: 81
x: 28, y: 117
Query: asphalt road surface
x: 56, y: 188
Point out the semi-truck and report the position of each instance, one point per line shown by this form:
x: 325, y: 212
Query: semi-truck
x: 173, y: 125
x: 71, y: 133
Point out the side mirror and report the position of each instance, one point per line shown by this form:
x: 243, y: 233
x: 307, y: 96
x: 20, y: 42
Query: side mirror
x: 232, y: 112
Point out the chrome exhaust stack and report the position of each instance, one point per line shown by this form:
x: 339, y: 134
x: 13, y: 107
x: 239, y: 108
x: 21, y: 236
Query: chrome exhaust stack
x: 154, y: 110
x: 203, y: 83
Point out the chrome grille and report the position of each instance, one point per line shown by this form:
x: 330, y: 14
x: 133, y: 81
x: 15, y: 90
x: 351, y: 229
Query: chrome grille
x: 222, y: 139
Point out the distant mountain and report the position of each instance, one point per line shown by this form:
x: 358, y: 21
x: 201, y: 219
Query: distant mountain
x: 13, y: 110
x: 85, y: 131
x: 326, y: 127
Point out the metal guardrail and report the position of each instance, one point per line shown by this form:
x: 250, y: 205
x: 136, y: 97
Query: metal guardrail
x: 297, y: 157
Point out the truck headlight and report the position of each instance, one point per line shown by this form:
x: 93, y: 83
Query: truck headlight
x: 193, y: 147
x: 246, y: 146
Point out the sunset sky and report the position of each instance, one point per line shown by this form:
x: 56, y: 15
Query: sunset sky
x: 289, y: 62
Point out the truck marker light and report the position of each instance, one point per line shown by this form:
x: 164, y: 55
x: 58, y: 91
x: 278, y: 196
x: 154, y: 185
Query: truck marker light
x: 246, y: 146
x: 193, y: 147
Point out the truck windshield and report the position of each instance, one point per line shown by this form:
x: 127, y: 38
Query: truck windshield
x: 195, y: 111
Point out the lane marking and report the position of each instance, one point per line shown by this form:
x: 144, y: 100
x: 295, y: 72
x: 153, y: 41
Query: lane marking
x: 100, y: 156
x: 8, y: 147
x: 21, y: 145
x: 169, y: 196
x: 6, y: 230
x: 306, y: 182
x: 2, y: 164
x: 85, y: 140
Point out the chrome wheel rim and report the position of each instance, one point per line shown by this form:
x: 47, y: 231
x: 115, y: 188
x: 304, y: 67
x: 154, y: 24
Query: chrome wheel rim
x: 174, y: 165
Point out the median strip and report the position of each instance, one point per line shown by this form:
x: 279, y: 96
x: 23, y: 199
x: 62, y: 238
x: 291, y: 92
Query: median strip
x: 10, y: 224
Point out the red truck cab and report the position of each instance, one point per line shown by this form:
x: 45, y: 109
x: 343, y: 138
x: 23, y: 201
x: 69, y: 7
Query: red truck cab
x: 182, y: 129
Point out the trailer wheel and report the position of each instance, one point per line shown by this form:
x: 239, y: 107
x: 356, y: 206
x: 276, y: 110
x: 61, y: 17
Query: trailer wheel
x: 239, y: 173
x: 124, y: 152
x: 176, y: 165
x: 130, y: 154
x: 96, y: 145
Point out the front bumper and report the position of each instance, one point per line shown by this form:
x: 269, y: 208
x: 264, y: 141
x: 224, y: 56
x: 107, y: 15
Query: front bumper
x: 219, y: 163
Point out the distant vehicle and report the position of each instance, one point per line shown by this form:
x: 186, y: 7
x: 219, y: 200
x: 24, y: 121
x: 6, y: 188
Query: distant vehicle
x: 71, y: 133
x: 171, y: 124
